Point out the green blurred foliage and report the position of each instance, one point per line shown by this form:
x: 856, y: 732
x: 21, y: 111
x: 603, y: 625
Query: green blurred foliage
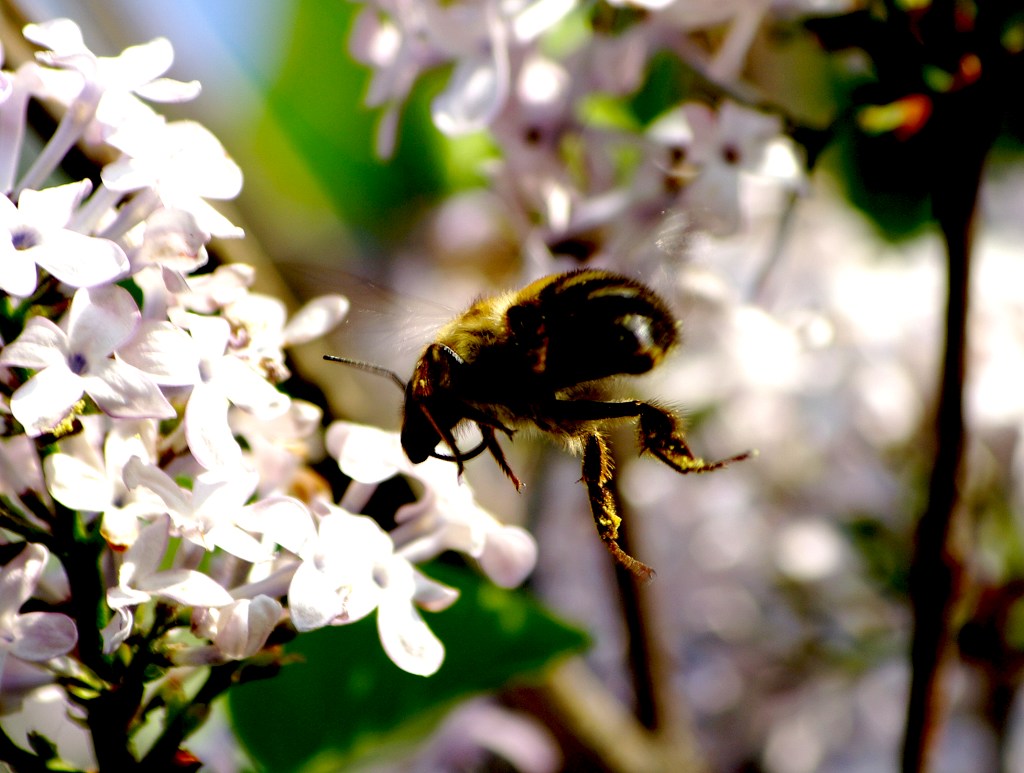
x: 316, y: 101
x: 345, y: 699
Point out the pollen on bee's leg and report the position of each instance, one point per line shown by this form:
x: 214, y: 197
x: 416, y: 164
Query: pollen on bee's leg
x: 643, y: 572
x: 661, y: 435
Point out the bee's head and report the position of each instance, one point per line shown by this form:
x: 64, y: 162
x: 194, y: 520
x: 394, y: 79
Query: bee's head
x: 429, y: 414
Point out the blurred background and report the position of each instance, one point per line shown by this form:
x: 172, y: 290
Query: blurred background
x: 777, y: 634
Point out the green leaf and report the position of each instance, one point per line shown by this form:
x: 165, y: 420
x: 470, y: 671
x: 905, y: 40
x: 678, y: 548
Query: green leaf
x: 315, y: 106
x: 345, y: 698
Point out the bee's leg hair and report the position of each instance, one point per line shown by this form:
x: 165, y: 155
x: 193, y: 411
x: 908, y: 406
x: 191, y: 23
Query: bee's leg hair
x: 597, y: 475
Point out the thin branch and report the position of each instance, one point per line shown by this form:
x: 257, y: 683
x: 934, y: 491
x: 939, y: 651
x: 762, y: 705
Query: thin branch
x: 963, y: 129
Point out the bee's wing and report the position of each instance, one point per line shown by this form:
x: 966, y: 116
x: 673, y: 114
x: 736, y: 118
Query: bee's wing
x: 384, y: 328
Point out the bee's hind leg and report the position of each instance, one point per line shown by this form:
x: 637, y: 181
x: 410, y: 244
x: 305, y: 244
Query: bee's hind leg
x: 597, y: 475
x: 659, y: 434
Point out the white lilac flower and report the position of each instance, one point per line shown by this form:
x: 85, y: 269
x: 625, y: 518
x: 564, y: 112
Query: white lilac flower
x: 446, y: 517
x: 209, y: 514
x: 79, y: 479
x: 139, y: 579
x: 350, y: 570
x: 260, y: 321
x: 34, y: 233
x: 182, y: 163
x: 107, y: 97
x: 717, y: 148
x: 225, y: 380
x: 79, y: 361
x: 209, y: 293
x: 278, y: 447
x: 173, y: 239
x: 400, y: 40
x: 33, y: 636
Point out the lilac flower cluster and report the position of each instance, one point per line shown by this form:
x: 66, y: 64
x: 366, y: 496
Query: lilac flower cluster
x: 128, y: 374
x: 577, y: 175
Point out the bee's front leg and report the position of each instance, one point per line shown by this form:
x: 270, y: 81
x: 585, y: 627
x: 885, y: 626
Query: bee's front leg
x: 491, y: 442
x: 597, y: 475
x: 659, y: 433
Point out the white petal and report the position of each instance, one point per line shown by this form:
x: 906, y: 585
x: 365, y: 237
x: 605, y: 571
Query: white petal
x: 62, y: 36
x: 365, y: 454
x: 315, y: 318
x: 51, y: 208
x: 186, y: 587
x: 139, y: 474
x: 313, y: 600
x: 249, y: 390
x: 201, y: 162
x: 247, y: 627
x: 239, y: 543
x: 45, y: 399
x: 432, y: 595
x: 475, y: 94
x: 406, y: 639
x: 80, y: 260
x: 124, y: 392
x: 509, y: 555
x: 125, y: 174
x: 164, y: 352
x: 207, y: 431
x: 137, y: 65
x: 17, y: 270
x: 19, y: 577
x: 284, y: 520
x: 40, y: 345
x: 101, y: 319
x: 169, y: 90
x: 77, y: 485
x: 116, y: 632
x: 40, y: 636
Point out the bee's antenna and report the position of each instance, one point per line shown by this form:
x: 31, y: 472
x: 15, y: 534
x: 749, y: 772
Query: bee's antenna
x: 369, y: 367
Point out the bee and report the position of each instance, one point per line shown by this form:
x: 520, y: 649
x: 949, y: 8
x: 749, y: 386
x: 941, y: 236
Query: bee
x: 545, y: 357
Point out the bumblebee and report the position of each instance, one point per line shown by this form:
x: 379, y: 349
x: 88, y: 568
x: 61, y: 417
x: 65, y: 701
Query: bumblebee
x: 544, y: 357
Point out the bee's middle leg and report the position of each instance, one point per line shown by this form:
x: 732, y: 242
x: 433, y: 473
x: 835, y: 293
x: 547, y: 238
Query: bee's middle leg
x: 597, y: 475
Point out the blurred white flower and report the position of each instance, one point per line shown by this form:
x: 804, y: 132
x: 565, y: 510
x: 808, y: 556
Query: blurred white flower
x: 79, y: 361
x: 715, y: 148
x: 33, y: 636
x: 401, y: 40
